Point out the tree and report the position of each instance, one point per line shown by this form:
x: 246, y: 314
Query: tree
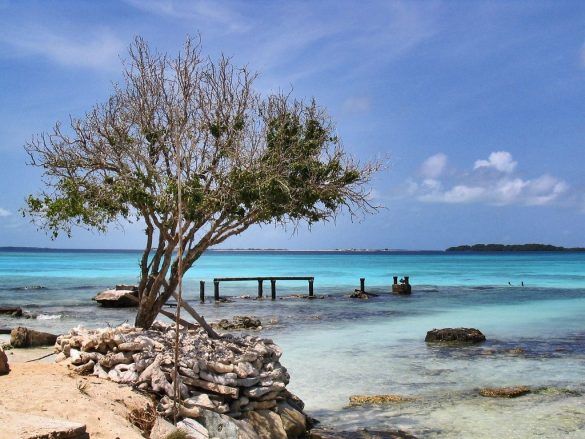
x: 245, y: 159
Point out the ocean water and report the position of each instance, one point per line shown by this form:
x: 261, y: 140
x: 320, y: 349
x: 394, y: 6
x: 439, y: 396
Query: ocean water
x: 337, y: 347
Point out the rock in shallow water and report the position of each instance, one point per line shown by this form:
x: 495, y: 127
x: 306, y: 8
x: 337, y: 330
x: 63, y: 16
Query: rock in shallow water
x: 323, y: 433
x: 504, y: 392
x: 117, y: 298
x: 455, y: 335
x: 357, y: 400
x: 239, y: 323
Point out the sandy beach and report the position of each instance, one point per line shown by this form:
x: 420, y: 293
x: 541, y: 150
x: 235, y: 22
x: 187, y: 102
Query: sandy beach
x: 44, y: 388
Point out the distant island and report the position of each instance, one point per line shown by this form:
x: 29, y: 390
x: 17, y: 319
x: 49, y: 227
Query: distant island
x: 513, y: 248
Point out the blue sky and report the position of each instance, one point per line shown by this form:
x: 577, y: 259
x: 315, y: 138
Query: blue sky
x: 479, y: 105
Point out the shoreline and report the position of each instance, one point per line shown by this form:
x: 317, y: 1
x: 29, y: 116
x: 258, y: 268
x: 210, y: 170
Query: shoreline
x: 45, y: 377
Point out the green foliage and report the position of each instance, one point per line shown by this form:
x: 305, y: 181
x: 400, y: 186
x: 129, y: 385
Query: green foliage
x: 513, y: 248
x: 245, y: 159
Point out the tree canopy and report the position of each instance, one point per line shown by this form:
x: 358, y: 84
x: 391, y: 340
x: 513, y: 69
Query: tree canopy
x: 245, y: 159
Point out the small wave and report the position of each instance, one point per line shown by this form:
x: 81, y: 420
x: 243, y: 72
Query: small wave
x: 25, y: 288
x: 49, y: 316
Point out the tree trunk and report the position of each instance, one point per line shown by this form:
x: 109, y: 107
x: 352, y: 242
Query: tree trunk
x: 146, y: 316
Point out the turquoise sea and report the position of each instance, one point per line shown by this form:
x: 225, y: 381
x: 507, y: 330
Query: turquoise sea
x: 337, y: 347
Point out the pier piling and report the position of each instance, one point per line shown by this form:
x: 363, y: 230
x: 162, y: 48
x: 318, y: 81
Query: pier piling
x: 202, y: 291
x: 260, y: 292
x: 402, y: 287
x: 216, y: 290
x: 273, y: 288
x: 362, y: 284
x: 310, y: 287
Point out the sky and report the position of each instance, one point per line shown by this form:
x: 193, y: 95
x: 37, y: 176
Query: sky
x: 479, y: 106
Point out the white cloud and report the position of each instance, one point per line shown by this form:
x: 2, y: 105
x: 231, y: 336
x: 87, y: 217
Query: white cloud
x: 457, y: 194
x: 357, y: 104
x: 434, y: 166
x: 499, y: 160
x: 189, y: 10
x: 97, y: 49
x: 4, y: 213
x: 502, y: 188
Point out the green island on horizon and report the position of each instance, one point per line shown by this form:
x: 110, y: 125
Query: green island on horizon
x: 513, y: 248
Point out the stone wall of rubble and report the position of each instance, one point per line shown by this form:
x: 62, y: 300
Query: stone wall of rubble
x: 233, y: 375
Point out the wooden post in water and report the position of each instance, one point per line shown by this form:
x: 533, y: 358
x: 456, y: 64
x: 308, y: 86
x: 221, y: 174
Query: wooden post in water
x: 406, y: 278
x: 395, y: 280
x: 362, y: 284
x: 273, y: 288
x: 310, y: 287
x: 260, y: 292
x: 216, y: 290
x: 202, y: 291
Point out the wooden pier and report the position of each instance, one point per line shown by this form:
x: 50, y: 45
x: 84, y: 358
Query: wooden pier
x: 403, y: 287
x: 260, y: 280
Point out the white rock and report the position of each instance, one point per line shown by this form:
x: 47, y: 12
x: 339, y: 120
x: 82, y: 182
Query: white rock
x: 193, y: 429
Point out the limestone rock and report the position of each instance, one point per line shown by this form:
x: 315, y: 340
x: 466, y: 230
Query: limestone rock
x: 323, y: 433
x: 12, y: 312
x: 199, y: 401
x: 193, y: 429
x: 293, y: 421
x: 455, y: 335
x: 244, y: 369
x: 224, y: 427
x: 357, y: 400
x: 239, y: 323
x: 27, y: 426
x: 22, y: 337
x: 358, y: 294
x: 117, y: 298
x: 267, y: 424
x: 232, y: 374
x: 504, y: 392
x: 4, y: 368
x: 162, y: 429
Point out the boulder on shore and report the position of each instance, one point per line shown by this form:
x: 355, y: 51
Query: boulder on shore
x: 117, y: 298
x: 267, y: 424
x: 455, y: 335
x: 4, y: 368
x: 29, y: 426
x: 22, y: 337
